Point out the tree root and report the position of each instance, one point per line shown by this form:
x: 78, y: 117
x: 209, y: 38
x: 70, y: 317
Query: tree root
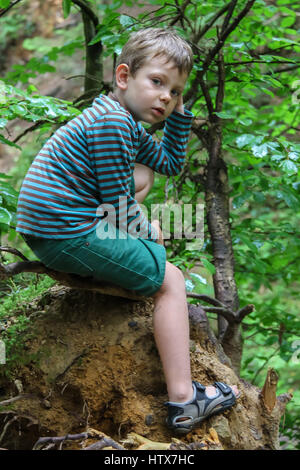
x: 133, y: 441
x: 209, y: 442
x: 105, y: 442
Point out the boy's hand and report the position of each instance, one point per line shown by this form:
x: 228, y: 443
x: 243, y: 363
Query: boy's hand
x: 155, y: 224
x: 179, y: 106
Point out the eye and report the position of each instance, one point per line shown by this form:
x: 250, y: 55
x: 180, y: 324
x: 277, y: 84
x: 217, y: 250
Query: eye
x: 156, y: 81
x: 175, y: 92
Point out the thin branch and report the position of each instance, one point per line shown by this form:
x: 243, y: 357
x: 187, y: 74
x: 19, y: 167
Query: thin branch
x: 224, y: 35
x: 245, y: 311
x: 104, y: 442
x: 222, y: 309
x: 231, y: 8
x: 262, y: 62
x: 180, y: 14
x: 202, y: 32
x: 13, y: 251
x: 6, y: 427
x: 286, y: 69
x: 264, y: 364
x: 229, y: 315
x: 29, y: 129
x: 207, y: 299
x: 83, y: 76
x: 18, y: 397
x: 207, y: 97
x: 193, y: 89
x: 55, y: 440
x: 5, y: 10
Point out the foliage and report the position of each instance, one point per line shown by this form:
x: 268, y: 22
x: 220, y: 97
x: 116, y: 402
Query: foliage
x: 18, y: 297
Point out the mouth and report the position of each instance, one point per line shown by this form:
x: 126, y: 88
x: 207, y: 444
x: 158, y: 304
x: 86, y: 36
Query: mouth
x: 159, y: 111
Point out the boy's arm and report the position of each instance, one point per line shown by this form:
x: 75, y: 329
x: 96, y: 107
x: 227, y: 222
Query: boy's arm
x: 110, y: 145
x: 167, y: 157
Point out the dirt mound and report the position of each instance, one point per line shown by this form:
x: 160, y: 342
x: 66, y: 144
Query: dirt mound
x: 95, y: 365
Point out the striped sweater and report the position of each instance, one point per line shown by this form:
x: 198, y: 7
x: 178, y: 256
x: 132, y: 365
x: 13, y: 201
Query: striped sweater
x: 89, y: 163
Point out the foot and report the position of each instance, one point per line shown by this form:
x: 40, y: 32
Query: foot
x: 212, y: 391
x: 206, y: 402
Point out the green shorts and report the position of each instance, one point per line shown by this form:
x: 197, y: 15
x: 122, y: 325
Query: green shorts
x: 136, y: 264
x: 133, y: 263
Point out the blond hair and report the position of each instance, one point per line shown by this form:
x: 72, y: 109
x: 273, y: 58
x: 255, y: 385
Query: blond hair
x: 148, y: 43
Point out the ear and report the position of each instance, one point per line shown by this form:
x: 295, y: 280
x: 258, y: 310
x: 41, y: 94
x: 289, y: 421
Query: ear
x: 122, y: 75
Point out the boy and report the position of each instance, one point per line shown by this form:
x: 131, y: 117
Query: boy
x: 86, y: 169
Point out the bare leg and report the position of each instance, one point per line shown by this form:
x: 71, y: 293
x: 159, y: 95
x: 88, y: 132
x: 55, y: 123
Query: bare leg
x: 171, y: 332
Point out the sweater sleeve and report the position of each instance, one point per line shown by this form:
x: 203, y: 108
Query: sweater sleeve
x: 111, y: 146
x: 167, y: 157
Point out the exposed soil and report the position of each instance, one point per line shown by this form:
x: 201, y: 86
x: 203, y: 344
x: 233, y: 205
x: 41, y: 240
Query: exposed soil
x: 95, y: 365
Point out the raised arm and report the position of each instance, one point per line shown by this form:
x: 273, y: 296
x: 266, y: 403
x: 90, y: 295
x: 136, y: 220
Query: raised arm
x: 167, y: 157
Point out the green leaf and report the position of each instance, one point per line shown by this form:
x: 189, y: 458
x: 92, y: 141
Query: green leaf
x: 289, y: 198
x: 8, y: 142
x: 96, y: 38
x: 260, y: 151
x: 246, y: 139
x: 239, y: 200
x: 5, y: 176
x: 9, y: 194
x: 5, y: 216
x: 209, y: 266
x: 126, y: 21
x: 293, y: 156
x: 66, y: 7
x: 3, y: 123
x: 245, y: 122
x: 199, y: 278
x: 225, y: 115
x: 268, y: 92
x: 248, y: 242
x: 289, y: 21
x: 4, y: 3
x: 189, y: 285
x: 288, y: 166
x: 260, y: 265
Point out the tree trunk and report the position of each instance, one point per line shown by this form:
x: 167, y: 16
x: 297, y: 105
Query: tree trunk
x: 90, y: 361
x: 217, y: 209
x: 93, y: 61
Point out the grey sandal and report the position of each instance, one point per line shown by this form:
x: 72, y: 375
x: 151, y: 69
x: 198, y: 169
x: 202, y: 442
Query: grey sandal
x: 183, y: 417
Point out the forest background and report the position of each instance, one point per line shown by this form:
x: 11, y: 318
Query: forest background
x: 46, y: 80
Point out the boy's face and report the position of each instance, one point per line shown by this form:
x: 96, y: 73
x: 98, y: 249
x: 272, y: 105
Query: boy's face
x: 152, y: 94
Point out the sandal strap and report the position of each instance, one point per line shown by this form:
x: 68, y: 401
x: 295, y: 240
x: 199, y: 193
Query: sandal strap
x: 225, y: 389
x: 199, y: 386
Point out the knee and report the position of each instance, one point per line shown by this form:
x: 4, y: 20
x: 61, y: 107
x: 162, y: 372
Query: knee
x: 143, y: 177
x: 174, y: 281
x: 148, y: 179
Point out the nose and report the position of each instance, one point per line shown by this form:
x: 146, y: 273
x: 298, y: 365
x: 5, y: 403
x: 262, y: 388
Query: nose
x: 165, y: 96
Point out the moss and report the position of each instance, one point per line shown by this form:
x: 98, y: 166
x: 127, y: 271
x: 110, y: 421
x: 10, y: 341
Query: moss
x: 20, y: 299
